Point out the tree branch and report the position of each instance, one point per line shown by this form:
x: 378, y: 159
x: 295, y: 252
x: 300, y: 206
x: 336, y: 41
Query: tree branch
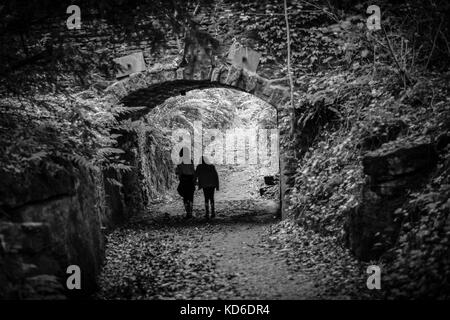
x: 434, y: 44
x: 400, y: 68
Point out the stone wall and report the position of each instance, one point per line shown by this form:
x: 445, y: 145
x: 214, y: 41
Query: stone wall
x: 54, y: 215
x: 390, y: 175
x: 99, y: 36
x: 50, y: 219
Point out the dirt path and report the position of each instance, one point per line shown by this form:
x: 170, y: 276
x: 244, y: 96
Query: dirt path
x: 258, y: 272
x: 160, y: 255
x: 167, y: 257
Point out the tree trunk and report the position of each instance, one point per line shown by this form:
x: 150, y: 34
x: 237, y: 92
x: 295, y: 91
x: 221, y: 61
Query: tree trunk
x: 291, y: 83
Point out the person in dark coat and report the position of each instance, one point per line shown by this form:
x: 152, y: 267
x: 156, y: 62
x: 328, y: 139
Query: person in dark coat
x: 208, y: 180
x: 186, y: 174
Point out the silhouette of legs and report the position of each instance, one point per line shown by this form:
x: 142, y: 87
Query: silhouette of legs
x: 188, y: 201
x: 213, y: 214
x: 209, y: 198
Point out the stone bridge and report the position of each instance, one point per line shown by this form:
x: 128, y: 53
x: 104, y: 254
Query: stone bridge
x: 200, y: 70
x: 153, y: 86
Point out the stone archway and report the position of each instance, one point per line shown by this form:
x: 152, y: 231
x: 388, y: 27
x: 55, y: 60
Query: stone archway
x: 162, y: 83
x: 153, y: 86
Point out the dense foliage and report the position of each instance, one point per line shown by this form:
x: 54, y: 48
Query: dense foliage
x: 52, y: 80
x: 355, y: 91
x: 322, y: 36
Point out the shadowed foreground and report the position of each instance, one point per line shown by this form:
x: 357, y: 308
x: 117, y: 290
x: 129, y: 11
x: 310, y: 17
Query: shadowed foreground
x: 227, y: 258
x: 160, y: 255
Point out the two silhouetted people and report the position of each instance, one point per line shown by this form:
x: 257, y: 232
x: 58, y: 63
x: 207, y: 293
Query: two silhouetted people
x: 207, y: 177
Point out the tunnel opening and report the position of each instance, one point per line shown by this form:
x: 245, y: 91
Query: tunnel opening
x: 236, y: 130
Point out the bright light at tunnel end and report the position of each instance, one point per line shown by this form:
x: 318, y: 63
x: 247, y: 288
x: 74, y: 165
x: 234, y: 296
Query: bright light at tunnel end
x: 236, y: 146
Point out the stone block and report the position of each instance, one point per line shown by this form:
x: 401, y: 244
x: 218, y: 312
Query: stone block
x: 44, y: 287
x: 198, y: 75
x: 260, y: 88
x: 250, y: 81
x: 130, y: 64
x: 35, y: 184
x: 234, y: 74
x: 112, y: 99
x: 117, y: 89
x: 386, y: 165
x: 215, y: 74
x: 168, y: 75
x: 181, y: 73
x: 278, y: 96
x: 134, y: 82
x: 149, y: 78
x: 371, y: 227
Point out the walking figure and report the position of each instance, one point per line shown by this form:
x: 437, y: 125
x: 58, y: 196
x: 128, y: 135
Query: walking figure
x: 186, y: 174
x: 208, y: 180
